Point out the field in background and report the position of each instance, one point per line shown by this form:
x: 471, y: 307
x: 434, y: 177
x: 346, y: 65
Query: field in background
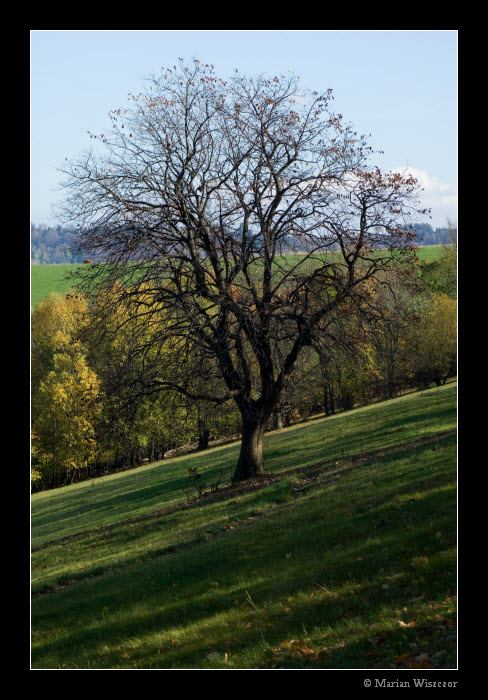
x: 51, y: 278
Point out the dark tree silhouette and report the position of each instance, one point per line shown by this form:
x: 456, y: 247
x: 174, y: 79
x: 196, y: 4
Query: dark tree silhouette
x: 238, y: 216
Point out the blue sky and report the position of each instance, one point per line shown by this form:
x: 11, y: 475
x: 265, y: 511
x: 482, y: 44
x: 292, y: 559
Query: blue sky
x: 400, y: 86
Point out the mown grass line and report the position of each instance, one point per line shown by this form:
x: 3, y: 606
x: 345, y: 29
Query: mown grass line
x: 250, y: 594
x: 263, y: 481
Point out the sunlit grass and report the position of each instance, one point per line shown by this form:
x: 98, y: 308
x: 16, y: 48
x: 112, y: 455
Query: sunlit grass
x: 92, y: 504
x: 49, y: 278
x: 52, y: 278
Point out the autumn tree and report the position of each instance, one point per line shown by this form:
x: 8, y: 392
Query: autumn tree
x: 55, y: 325
x: 390, y: 332
x: 432, y: 342
x: 64, y: 437
x: 225, y: 198
x: 65, y: 391
x: 136, y: 420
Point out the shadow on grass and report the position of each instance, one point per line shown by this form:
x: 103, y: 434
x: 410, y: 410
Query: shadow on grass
x: 102, y: 508
x: 211, y: 526
x: 288, y: 554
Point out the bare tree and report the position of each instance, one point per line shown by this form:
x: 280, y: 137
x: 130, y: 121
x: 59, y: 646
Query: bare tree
x: 217, y: 204
x: 452, y: 233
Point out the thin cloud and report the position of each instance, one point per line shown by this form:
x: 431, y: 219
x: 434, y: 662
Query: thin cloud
x: 440, y: 197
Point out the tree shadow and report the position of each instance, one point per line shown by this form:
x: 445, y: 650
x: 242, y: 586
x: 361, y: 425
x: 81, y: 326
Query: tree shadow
x: 253, y: 564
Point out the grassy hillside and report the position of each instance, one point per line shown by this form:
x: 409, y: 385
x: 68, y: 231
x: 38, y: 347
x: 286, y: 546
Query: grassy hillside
x: 343, y: 557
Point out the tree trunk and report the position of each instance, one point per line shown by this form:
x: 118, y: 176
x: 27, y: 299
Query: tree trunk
x: 203, y: 435
x: 277, y: 421
x: 250, y: 463
x: 329, y: 408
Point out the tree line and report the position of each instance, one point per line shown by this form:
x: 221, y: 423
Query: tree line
x: 52, y: 245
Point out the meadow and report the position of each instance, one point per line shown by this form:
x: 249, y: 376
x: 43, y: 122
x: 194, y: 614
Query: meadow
x: 52, y: 278
x: 342, y: 556
x: 49, y: 278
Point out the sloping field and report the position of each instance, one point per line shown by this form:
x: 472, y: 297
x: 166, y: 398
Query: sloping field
x: 343, y: 557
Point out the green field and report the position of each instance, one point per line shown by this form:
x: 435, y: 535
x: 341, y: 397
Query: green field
x: 49, y: 278
x: 431, y: 252
x: 52, y: 278
x: 343, y: 557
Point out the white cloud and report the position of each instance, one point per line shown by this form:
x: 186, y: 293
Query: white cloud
x: 441, y: 198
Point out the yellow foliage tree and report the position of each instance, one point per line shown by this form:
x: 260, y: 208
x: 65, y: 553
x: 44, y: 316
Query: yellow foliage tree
x: 65, y: 391
x: 64, y: 437
x: 55, y: 322
x: 433, y: 343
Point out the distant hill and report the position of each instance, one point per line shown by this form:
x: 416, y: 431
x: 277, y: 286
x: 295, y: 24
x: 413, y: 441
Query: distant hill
x: 427, y: 236
x: 49, y: 278
x: 51, y: 245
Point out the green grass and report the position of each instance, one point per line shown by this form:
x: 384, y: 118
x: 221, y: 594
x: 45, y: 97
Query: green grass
x: 431, y: 252
x: 49, y: 278
x: 344, y: 558
x: 52, y: 278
